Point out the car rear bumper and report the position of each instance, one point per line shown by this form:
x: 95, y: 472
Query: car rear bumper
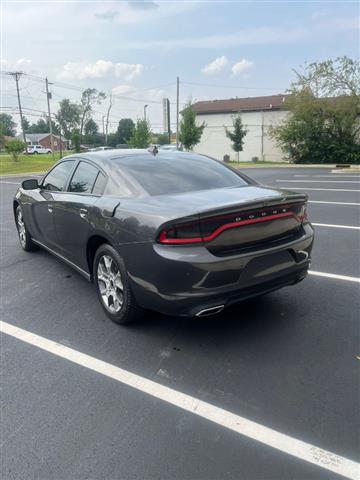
x: 185, y: 280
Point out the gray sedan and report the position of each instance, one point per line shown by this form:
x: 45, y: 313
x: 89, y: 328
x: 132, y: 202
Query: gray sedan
x: 174, y: 232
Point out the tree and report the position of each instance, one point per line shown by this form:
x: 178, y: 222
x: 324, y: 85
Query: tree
x: 75, y: 140
x: 68, y: 116
x: 189, y: 132
x: 89, y: 97
x: 41, y: 126
x: 162, y: 138
x: 125, y: 130
x: 15, y: 147
x: 7, y: 125
x: 112, y: 139
x: 237, y: 136
x: 141, y: 135
x: 91, y: 130
x: 25, y: 125
x: 91, y: 127
x: 324, y: 105
x: 330, y: 78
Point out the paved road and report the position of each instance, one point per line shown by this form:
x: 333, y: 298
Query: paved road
x: 287, y: 361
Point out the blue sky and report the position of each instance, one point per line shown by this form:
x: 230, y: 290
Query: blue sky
x: 136, y: 49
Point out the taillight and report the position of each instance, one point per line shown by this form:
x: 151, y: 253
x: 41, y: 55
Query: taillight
x: 303, y: 215
x: 181, y: 233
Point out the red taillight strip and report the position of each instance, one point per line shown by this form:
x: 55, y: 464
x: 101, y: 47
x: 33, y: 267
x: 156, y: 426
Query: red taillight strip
x: 164, y: 239
x: 228, y: 226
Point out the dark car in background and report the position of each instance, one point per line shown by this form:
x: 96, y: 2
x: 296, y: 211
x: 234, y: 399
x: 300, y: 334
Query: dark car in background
x: 174, y: 232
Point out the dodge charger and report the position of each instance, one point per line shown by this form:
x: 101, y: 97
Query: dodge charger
x: 175, y: 232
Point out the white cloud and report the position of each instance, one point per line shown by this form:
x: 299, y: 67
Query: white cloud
x: 216, y: 66
x: 241, y: 66
x: 100, y: 69
x: 19, y: 63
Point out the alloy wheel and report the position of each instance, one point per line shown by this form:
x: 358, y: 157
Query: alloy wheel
x: 21, y: 228
x: 110, y: 284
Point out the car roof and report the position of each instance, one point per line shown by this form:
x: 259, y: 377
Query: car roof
x: 105, y: 157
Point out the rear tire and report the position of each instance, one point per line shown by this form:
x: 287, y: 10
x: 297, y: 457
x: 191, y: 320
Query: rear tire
x: 113, y: 286
x: 24, y: 237
x: 35, y: 153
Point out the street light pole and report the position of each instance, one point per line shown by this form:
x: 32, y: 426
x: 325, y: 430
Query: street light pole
x: 145, y: 107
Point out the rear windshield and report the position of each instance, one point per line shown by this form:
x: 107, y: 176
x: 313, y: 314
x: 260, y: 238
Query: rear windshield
x: 168, y: 174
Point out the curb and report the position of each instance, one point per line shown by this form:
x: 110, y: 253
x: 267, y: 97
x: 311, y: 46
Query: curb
x: 12, y: 175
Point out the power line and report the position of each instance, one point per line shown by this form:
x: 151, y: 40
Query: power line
x: 81, y: 89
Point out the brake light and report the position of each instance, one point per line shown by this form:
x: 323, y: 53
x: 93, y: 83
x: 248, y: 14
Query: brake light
x: 183, y: 233
x: 207, y: 229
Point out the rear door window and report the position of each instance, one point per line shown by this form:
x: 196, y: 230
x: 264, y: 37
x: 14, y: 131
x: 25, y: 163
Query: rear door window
x: 84, y: 178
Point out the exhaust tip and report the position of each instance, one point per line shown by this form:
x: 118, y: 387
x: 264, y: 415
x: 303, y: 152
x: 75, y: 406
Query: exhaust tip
x: 206, y: 312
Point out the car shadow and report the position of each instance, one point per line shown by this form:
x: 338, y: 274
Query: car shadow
x: 255, y: 318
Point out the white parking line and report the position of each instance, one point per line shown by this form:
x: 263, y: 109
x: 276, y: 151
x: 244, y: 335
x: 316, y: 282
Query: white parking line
x: 336, y: 277
x: 332, y: 175
x: 320, y: 189
x: 334, y: 203
x: 243, y: 426
x: 334, y: 226
x: 319, y: 181
x: 10, y: 183
x: 339, y: 175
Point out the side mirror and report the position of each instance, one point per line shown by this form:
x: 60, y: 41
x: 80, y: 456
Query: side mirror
x: 31, y: 184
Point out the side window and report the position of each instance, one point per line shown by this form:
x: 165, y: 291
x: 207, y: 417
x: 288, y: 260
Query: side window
x: 99, y: 185
x: 56, y: 179
x: 84, y: 178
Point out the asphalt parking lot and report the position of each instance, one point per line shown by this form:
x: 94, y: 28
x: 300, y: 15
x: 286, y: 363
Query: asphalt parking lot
x: 288, y: 361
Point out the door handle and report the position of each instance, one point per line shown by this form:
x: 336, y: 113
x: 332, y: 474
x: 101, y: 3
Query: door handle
x: 83, y: 212
x: 50, y: 208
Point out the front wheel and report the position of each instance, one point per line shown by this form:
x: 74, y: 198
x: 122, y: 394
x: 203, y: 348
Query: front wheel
x: 24, y: 237
x: 113, y: 287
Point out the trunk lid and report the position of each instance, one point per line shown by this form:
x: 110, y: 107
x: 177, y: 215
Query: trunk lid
x: 234, y: 220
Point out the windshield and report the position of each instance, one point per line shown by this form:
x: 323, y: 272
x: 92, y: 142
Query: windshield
x: 165, y: 174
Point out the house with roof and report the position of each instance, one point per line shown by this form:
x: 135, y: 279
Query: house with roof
x: 44, y: 139
x: 258, y: 114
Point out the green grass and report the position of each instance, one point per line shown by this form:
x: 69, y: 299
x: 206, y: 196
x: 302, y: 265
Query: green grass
x: 256, y: 164
x: 27, y: 163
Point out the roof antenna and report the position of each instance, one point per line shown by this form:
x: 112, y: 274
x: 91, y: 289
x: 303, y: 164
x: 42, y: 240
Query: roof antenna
x: 154, y: 150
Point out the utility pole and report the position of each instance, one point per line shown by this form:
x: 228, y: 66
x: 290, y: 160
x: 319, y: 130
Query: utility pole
x: 177, y: 112
x: 16, y: 76
x: 145, y: 107
x: 48, y: 96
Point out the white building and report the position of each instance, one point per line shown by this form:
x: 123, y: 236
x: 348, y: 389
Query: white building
x: 258, y: 114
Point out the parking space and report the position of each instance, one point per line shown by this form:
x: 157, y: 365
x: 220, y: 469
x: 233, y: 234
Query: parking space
x: 288, y: 361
